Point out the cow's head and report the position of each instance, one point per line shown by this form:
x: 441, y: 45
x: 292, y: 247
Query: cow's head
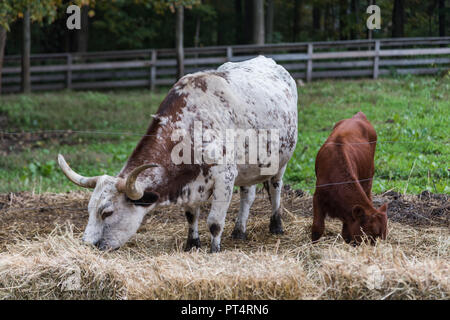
x: 372, y: 223
x: 116, y: 208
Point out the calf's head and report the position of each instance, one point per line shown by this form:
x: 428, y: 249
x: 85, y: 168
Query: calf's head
x: 116, y: 207
x: 371, y: 223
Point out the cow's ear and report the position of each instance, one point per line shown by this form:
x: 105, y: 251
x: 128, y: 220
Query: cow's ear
x: 358, y: 213
x: 383, y: 208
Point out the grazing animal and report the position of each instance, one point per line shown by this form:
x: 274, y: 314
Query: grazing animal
x: 257, y: 95
x: 344, y: 171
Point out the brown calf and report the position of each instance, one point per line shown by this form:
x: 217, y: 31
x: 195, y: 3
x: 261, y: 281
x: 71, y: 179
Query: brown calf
x: 344, y: 171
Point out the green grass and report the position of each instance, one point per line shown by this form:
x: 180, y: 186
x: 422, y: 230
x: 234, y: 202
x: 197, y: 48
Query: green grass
x: 410, y: 114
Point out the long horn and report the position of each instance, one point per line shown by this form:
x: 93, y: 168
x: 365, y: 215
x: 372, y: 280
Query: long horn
x: 129, y: 186
x: 86, y: 182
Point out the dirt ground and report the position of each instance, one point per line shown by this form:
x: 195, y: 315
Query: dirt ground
x: 30, y: 215
x: 19, y: 141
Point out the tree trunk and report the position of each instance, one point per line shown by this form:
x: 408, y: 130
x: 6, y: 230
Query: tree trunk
x: 343, y: 19
x: 258, y: 22
x: 197, y: 36
x: 26, y: 48
x: 430, y: 11
x: 67, y: 41
x: 316, y: 15
x: 328, y: 21
x: 398, y: 18
x: 179, y: 41
x: 197, y: 32
x: 82, y: 35
x: 354, y: 7
x: 296, y: 22
x: 369, y: 31
x: 248, y: 21
x: 240, y: 22
x: 221, y: 27
x: 269, y: 22
x: 441, y: 7
x: 2, y: 52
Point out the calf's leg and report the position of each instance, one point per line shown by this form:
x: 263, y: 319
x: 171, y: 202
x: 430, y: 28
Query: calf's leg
x: 247, y: 198
x: 193, y: 240
x: 318, y: 226
x: 346, y: 233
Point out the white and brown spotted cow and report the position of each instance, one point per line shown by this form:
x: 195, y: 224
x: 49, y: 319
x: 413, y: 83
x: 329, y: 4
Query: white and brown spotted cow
x: 257, y: 95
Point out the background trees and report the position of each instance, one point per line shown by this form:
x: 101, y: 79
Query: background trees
x: 137, y: 24
x: 40, y: 26
x: 26, y: 11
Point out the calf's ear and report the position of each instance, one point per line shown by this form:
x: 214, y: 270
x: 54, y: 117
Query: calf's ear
x: 383, y: 208
x: 358, y: 212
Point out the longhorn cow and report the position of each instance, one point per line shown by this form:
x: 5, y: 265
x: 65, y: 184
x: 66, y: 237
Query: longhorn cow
x: 253, y: 98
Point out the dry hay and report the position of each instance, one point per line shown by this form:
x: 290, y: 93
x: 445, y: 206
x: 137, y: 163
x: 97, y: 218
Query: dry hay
x: 42, y: 256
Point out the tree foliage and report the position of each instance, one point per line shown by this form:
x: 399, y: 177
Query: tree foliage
x: 138, y: 24
x: 40, y: 11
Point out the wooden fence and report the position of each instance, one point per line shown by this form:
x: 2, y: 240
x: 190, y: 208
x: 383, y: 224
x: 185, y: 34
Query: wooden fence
x: 156, y: 67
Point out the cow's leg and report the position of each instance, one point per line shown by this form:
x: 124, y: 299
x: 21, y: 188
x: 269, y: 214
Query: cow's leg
x: 274, y: 186
x: 192, y: 218
x: 318, y: 226
x: 224, y: 177
x: 247, y: 198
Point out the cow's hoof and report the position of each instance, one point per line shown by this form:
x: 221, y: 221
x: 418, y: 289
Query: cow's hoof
x: 276, y: 231
x: 215, y: 248
x: 347, y: 239
x: 237, y: 234
x: 275, y: 226
x: 315, y: 236
x: 192, y: 243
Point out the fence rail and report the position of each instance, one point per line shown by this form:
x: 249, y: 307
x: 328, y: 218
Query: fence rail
x: 156, y: 67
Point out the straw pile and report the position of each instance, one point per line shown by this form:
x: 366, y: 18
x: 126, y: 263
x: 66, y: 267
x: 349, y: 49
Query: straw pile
x: 42, y: 256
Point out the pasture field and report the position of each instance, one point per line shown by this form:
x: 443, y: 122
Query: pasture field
x: 411, y: 116
x: 42, y: 215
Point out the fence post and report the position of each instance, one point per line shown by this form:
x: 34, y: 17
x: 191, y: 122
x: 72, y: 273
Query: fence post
x: 69, y: 72
x: 153, y: 71
x: 229, y: 53
x: 309, y: 67
x: 376, y: 60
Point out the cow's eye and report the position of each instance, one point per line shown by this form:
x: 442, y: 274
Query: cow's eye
x: 106, y: 214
